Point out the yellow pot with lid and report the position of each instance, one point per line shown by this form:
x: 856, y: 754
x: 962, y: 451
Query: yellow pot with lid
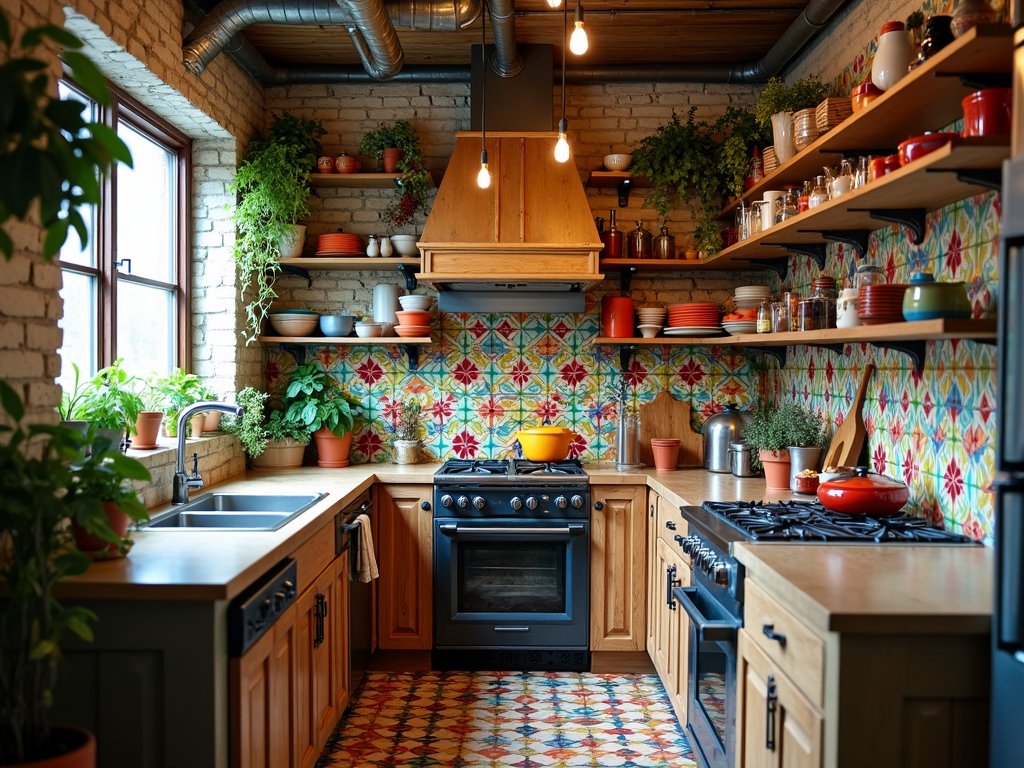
x: 545, y: 443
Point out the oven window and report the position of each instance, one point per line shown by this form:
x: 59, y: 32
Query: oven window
x: 512, y: 577
x: 711, y: 695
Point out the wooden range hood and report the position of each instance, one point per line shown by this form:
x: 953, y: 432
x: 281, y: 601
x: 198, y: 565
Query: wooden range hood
x: 531, y: 230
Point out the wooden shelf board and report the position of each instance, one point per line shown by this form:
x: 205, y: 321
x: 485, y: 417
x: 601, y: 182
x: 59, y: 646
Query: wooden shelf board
x: 920, y: 330
x: 926, y: 99
x: 661, y: 265
x: 356, y: 180
x: 917, y: 185
x: 612, y: 179
x: 343, y: 340
x: 351, y: 263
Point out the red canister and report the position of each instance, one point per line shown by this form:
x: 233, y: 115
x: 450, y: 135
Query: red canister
x: 987, y: 112
x: 617, y: 317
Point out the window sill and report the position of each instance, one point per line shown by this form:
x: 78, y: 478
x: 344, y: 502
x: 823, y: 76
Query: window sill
x: 167, y: 450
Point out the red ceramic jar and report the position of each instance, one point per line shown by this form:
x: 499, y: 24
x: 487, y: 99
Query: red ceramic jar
x: 865, y: 493
x: 988, y: 112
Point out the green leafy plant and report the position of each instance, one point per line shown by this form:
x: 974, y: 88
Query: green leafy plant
x: 273, y: 190
x: 315, y: 400
x: 70, y: 402
x: 778, y: 97
x: 405, y: 419
x: 46, y: 480
x: 48, y: 151
x: 256, y: 428
x: 776, y: 429
x: 413, y: 189
x: 177, y: 391
x: 110, y: 401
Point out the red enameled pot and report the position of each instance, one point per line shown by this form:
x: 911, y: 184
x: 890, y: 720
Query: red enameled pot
x: 865, y: 493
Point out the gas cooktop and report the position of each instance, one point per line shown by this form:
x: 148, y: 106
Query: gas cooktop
x: 503, y: 471
x: 796, y: 521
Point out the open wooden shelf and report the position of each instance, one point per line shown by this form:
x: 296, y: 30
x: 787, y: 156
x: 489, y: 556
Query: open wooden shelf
x: 356, y: 180
x: 927, y: 99
x: 344, y: 340
x: 612, y: 179
x: 663, y: 265
x: 928, y: 183
x: 350, y: 263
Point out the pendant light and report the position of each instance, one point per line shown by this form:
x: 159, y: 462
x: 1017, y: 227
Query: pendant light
x: 554, y: 3
x: 483, y: 178
x: 562, y: 147
x: 578, y: 42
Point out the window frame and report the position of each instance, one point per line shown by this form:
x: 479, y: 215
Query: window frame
x: 125, y: 109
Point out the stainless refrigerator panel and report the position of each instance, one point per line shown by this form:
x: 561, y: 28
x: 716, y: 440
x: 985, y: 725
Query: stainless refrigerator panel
x: 1009, y: 544
x: 1017, y: 129
x: 1010, y: 410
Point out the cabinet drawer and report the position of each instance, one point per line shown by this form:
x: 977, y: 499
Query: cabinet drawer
x: 668, y: 516
x: 801, y: 656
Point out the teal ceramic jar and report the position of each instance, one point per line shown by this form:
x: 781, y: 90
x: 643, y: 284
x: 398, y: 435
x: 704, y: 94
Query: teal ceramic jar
x: 927, y: 299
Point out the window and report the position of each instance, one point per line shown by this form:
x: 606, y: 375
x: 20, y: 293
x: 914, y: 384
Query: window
x: 126, y: 293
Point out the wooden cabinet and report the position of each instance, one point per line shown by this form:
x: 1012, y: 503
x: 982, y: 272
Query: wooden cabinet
x: 618, y: 560
x: 652, y: 571
x: 406, y: 586
x: 338, y: 618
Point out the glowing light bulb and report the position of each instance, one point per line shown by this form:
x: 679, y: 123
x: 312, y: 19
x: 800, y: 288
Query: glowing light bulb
x: 483, y: 179
x: 555, y: 3
x: 578, y: 41
x: 562, y: 148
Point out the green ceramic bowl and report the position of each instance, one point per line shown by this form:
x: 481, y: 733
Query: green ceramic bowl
x: 927, y: 299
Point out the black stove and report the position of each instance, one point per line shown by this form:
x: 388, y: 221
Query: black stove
x: 475, y: 472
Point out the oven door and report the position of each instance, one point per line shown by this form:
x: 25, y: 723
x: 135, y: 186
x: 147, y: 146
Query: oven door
x: 711, y: 706
x: 511, y: 583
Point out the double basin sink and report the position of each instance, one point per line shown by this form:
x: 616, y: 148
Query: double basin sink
x: 234, y: 512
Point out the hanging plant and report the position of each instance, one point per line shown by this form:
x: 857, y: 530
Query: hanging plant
x: 414, y: 186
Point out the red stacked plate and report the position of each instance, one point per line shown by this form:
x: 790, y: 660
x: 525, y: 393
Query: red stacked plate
x: 340, y: 244
x: 696, y: 314
x: 881, y: 303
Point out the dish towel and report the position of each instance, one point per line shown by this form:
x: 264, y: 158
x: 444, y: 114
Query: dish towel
x: 366, y: 563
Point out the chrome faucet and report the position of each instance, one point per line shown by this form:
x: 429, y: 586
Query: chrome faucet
x: 183, y: 482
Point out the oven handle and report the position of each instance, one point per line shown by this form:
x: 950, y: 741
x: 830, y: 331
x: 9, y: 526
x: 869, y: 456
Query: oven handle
x: 453, y: 529
x: 711, y: 631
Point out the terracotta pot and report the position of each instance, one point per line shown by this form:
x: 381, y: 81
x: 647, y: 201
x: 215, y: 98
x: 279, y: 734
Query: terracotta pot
x: 865, y: 493
x: 332, y: 451
x: 345, y: 163
x: 666, y: 454
x: 776, y: 469
x: 96, y: 547
x: 325, y: 164
x: 211, y: 422
x: 280, y: 454
x: 147, y: 429
x: 196, y: 424
x: 77, y: 749
x: 391, y: 159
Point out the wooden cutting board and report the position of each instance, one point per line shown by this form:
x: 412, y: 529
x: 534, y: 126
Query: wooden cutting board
x: 667, y: 417
x: 844, y: 450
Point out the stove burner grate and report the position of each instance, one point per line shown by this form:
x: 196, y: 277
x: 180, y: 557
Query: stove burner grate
x: 475, y: 467
x: 566, y: 467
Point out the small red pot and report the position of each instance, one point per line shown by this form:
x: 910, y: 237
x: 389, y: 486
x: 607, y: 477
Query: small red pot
x: 866, y: 493
x: 617, y: 317
x: 988, y: 112
x: 919, y: 146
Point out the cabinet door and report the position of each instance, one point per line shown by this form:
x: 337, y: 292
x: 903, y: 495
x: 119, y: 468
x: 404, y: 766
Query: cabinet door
x: 776, y: 726
x: 304, y: 732
x: 405, y: 610
x: 654, y: 572
x: 339, y: 634
x: 677, y: 635
x: 262, y: 698
x: 325, y: 663
x: 618, y: 556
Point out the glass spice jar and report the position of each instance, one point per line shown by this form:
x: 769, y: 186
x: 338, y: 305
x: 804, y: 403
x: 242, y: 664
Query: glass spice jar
x: 780, y: 317
x: 803, y: 201
x: 809, y: 315
x: 764, y: 317
x: 819, y: 195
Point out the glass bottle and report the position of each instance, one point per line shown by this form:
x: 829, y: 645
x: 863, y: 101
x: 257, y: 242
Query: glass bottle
x: 640, y: 242
x: 613, y: 239
x: 664, y: 245
x: 805, y: 195
x: 764, y: 317
x: 756, y: 172
x: 825, y: 305
x: 742, y: 219
x: 599, y: 223
x: 790, y: 204
x: 819, y: 195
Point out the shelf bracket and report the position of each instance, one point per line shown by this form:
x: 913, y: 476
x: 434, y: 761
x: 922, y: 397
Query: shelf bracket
x: 624, y: 189
x: 412, y: 352
x: 978, y: 80
x: 288, y: 269
x: 626, y: 352
x: 863, y: 151
x: 779, y: 266
x: 779, y: 353
x: 835, y: 349
x: 856, y: 238
x: 913, y: 349
x: 816, y: 251
x: 990, y: 178
x: 297, y: 351
x: 911, y: 218
x: 409, y: 271
x: 626, y: 279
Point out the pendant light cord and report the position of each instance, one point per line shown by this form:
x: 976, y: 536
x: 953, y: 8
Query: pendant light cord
x: 483, y: 76
x: 565, y: 46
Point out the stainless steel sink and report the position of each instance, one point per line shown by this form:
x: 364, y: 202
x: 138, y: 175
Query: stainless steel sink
x: 234, y: 512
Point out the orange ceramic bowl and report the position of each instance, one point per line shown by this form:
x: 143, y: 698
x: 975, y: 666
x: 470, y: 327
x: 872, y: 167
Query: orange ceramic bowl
x: 919, y: 146
x: 545, y: 443
x: 413, y: 317
x: 412, y: 331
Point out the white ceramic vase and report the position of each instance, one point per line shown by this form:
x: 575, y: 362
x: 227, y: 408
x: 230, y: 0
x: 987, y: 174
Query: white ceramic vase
x: 782, y: 132
x: 386, y: 248
x: 893, y: 56
x: 289, y: 245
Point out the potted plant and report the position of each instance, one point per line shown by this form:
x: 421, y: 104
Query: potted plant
x: 43, y: 487
x: 110, y: 403
x: 270, y: 440
x: 317, y: 403
x: 771, y: 432
x: 776, y: 106
x: 273, y: 190
x: 397, y: 148
x: 70, y: 408
x: 405, y: 420
x: 211, y: 419
x: 56, y: 156
x: 147, y: 426
x: 179, y: 390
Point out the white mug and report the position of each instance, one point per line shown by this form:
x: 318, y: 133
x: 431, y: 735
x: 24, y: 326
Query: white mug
x: 385, y: 304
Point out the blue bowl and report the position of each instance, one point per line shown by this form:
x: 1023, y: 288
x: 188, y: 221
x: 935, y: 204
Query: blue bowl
x: 336, y: 325
x: 935, y: 314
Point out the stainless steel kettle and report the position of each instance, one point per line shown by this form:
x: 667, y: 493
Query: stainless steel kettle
x: 720, y: 431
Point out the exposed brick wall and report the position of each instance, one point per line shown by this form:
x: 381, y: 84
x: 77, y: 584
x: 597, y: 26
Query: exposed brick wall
x: 219, y: 458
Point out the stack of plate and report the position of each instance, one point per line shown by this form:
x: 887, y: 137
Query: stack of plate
x: 751, y: 296
x: 694, y: 319
x: 339, y: 244
x: 881, y: 303
x: 652, y: 320
x: 734, y: 327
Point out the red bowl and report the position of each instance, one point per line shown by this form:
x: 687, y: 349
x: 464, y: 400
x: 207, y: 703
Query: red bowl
x: 413, y: 317
x: 919, y: 146
x: 865, y: 493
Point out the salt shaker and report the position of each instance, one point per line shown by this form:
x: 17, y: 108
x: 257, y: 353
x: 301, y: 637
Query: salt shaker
x: 386, y: 248
x: 372, y: 247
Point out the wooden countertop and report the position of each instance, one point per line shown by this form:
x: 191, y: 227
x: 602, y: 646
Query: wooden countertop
x: 914, y: 589
x: 688, y: 486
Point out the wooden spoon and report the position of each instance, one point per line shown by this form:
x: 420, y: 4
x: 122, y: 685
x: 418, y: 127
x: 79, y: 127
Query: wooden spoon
x: 844, y: 450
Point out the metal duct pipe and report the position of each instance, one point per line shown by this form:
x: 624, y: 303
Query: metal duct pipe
x: 213, y: 33
x: 374, y: 37
x: 505, y: 59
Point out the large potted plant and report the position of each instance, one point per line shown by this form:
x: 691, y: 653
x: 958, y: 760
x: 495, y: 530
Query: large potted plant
x: 45, y: 481
x: 270, y: 440
x: 179, y: 390
x: 397, y: 148
x: 110, y: 403
x: 770, y: 434
x: 776, y: 106
x: 273, y: 190
x: 316, y: 402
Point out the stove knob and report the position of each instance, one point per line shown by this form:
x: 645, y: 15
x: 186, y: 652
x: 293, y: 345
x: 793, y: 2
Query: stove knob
x: 700, y: 556
x: 478, y: 502
x: 708, y: 564
x: 289, y: 589
x: 447, y: 501
x: 516, y: 503
x: 265, y: 607
x: 576, y: 501
x: 463, y: 502
x: 279, y: 598
x: 690, y: 543
x: 720, y: 574
x: 561, y: 502
x: 531, y: 503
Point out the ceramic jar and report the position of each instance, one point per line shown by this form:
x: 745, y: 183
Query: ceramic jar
x: 386, y: 248
x: 372, y: 246
x: 988, y: 112
x: 971, y: 13
x: 782, y: 134
x: 325, y: 164
x: 927, y: 299
x: 846, y: 309
x: 344, y: 163
x: 893, y: 57
x: 937, y: 35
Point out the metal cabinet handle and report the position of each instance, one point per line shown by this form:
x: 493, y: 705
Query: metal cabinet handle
x: 671, y: 582
x: 598, y: 506
x: 670, y: 525
x: 320, y: 613
x: 425, y: 506
x: 771, y: 634
x: 771, y: 704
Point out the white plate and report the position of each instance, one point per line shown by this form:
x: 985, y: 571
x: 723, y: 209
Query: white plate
x: 692, y: 331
